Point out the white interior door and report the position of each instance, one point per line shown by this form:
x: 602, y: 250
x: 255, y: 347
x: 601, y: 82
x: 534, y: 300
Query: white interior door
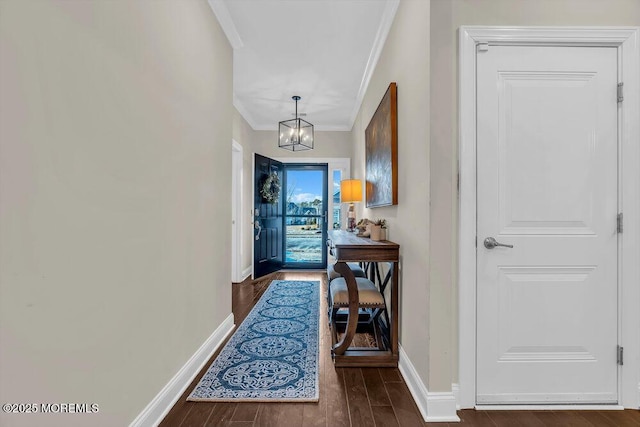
x: 547, y: 184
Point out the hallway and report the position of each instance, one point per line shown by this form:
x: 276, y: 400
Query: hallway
x: 355, y: 396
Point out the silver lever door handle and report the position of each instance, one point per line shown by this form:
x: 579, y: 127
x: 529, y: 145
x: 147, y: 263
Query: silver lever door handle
x: 491, y: 243
x: 258, y: 227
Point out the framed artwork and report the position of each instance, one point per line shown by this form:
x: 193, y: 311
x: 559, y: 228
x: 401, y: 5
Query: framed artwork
x: 381, y: 152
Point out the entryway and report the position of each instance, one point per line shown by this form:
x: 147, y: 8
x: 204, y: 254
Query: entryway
x: 292, y: 211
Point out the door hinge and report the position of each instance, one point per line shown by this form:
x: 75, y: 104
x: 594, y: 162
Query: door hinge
x: 483, y: 47
x: 620, y: 94
x: 620, y: 355
x: 620, y: 222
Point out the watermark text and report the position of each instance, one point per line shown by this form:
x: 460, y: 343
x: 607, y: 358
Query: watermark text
x: 51, y: 408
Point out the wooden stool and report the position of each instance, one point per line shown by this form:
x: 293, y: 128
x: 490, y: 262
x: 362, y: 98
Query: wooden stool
x: 333, y: 274
x: 370, y: 302
x: 355, y: 269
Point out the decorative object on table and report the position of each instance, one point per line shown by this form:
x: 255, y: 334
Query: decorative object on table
x: 270, y: 190
x: 350, y: 192
x: 375, y: 232
x: 364, y: 227
x: 383, y: 228
x: 273, y: 355
x: 381, y: 152
x: 295, y: 134
x: 377, y: 228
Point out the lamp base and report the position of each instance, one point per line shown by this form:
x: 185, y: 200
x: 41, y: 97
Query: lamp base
x: 351, y: 218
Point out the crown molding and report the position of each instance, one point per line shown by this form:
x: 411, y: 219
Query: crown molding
x: 224, y: 18
x: 378, y: 44
x: 244, y: 113
x: 226, y: 22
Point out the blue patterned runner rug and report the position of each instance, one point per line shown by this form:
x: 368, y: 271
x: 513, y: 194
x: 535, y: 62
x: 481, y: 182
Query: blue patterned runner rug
x: 273, y: 355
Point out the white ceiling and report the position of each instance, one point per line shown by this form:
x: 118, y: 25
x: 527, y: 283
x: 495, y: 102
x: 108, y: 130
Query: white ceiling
x: 322, y: 50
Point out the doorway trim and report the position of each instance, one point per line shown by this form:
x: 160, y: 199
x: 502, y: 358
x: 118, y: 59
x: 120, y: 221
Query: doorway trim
x: 627, y: 42
x: 237, y: 234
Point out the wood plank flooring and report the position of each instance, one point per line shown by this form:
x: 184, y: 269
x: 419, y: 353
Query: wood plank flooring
x: 356, y: 396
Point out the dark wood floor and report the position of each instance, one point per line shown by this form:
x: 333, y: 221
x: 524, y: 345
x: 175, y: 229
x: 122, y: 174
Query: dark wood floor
x: 356, y: 396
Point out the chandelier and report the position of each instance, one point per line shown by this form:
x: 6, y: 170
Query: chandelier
x: 295, y: 134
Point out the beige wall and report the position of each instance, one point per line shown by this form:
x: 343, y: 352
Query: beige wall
x: 244, y: 135
x: 115, y: 130
x: 446, y: 17
x: 326, y: 144
x: 405, y: 60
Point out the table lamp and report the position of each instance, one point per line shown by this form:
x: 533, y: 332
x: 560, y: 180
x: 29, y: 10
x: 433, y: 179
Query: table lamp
x: 350, y: 192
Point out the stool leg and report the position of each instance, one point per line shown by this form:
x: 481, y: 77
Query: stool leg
x: 354, y: 302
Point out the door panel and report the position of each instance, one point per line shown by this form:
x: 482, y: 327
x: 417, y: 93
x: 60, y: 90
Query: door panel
x: 547, y: 184
x: 267, y: 254
x: 551, y: 159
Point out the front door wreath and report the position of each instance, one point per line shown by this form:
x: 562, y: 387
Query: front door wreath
x: 270, y: 190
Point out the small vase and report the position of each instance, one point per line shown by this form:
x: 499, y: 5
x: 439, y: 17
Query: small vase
x: 383, y: 234
x: 375, y: 232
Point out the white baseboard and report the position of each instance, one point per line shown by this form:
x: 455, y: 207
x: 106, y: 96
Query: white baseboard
x: 158, y: 408
x: 434, y: 406
x: 549, y: 408
x: 455, y: 389
x: 246, y: 272
x: 414, y: 382
x: 441, y: 408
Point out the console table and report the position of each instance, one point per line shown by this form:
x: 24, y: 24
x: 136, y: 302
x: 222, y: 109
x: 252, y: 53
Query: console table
x: 348, y: 247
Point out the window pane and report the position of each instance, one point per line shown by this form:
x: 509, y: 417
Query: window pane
x: 335, y: 191
x: 304, y: 192
x: 304, y: 217
x: 304, y: 241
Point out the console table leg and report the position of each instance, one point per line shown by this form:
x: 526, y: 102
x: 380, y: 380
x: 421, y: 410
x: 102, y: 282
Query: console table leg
x: 394, y: 307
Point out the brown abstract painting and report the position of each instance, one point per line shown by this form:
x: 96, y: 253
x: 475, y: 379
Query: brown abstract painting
x: 381, y: 151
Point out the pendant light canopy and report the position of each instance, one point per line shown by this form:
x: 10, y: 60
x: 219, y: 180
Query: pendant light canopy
x: 295, y: 134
